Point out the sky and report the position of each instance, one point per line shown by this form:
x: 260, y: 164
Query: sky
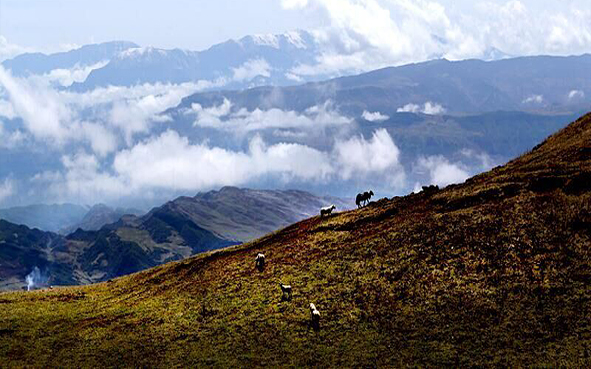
x: 62, y: 24
x: 188, y: 24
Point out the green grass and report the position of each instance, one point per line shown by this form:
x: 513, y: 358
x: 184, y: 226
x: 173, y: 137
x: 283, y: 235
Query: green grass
x: 493, y: 272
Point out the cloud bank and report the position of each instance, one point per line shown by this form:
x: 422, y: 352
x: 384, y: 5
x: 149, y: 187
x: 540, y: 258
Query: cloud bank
x: 242, y: 121
x: 104, y: 118
x: 171, y: 162
x: 369, y: 34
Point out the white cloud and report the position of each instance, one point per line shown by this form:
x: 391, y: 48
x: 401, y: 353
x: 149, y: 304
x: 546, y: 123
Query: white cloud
x: 251, y: 69
x: 49, y: 117
x: 98, y: 117
x: 293, y: 77
x: 210, y: 117
x: 84, y: 178
x: 291, y: 4
x: 428, y: 108
x: 409, y: 108
x: 378, y: 156
x: 289, y: 133
x: 133, y: 115
x: 171, y: 162
x: 6, y: 109
x: 7, y: 188
x: 576, y: 94
x: 433, y: 109
x: 9, y: 50
x: 66, y: 77
x: 441, y: 171
x: 481, y: 161
x: 42, y: 111
x: 374, y: 116
x: 242, y: 121
x: 101, y: 139
x: 11, y: 139
x: 533, y: 99
x: 368, y: 34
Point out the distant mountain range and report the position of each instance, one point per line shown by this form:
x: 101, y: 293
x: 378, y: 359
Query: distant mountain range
x: 50, y: 218
x: 37, y: 63
x: 98, y: 216
x: 250, y: 61
x: 64, y: 218
x: 536, y: 84
x: 174, y: 231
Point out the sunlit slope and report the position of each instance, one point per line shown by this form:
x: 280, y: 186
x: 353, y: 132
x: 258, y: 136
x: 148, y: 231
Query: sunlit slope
x: 493, y: 271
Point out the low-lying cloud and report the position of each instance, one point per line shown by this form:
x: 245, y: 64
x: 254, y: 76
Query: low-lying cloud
x: 251, y: 69
x: 379, y: 156
x: 242, y: 121
x: 104, y: 118
x: 576, y: 95
x: 374, y: 116
x: 9, y: 50
x: 66, y: 77
x: 170, y: 162
x: 441, y: 171
x: 533, y: 99
x: 429, y: 108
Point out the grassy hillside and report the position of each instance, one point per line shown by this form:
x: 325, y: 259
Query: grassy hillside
x: 495, y: 271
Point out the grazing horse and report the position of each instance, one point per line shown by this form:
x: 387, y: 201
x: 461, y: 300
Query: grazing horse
x: 259, y: 261
x: 362, y: 199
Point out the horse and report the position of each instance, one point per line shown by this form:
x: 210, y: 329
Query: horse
x: 362, y: 199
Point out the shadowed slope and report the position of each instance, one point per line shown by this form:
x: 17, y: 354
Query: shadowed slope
x: 493, y: 271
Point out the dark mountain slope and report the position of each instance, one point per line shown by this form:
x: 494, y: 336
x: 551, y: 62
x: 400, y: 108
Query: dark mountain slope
x: 22, y: 249
x: 492, y: 272
x: 244, y: 214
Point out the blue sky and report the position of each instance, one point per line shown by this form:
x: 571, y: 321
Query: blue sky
x: 173, y: 23
x: 55, y: 24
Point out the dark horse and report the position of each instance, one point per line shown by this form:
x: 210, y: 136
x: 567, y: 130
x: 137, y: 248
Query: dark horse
x: 362, y: 199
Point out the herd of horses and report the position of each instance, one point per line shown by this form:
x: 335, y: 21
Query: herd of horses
x: 363, y: 198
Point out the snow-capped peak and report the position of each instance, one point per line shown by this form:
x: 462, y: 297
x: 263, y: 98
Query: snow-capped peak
x: 293, y: 38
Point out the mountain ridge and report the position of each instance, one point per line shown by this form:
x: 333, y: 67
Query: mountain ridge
x: 39, y: 63
x: 468, y: 84
x: 176, y: 230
